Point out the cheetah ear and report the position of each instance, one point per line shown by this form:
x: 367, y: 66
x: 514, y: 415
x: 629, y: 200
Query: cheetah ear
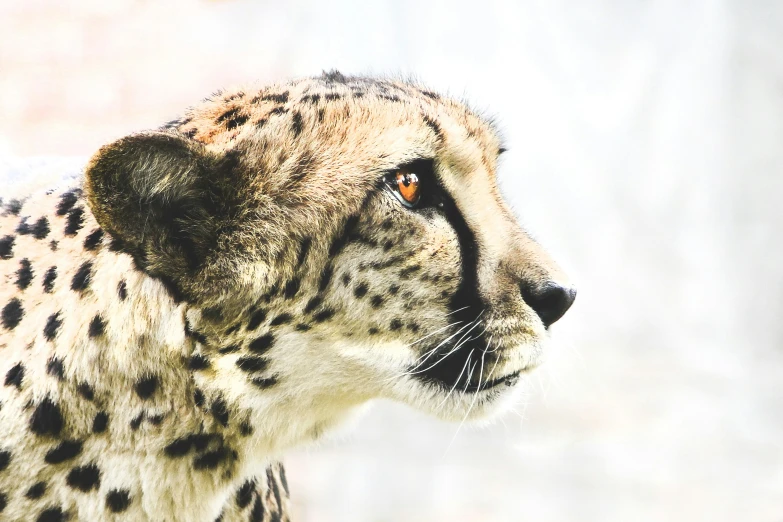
x: 161, y: 195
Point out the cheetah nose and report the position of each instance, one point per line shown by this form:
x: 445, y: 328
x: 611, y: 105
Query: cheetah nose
x: 550, y: 301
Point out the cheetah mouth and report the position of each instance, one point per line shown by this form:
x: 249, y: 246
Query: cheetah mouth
x: 509, y: 380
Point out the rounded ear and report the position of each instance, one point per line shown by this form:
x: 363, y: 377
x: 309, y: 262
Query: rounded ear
x: 157, y: 193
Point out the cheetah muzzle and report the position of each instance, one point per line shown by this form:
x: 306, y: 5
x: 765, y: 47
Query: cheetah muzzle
x: 238, y: 281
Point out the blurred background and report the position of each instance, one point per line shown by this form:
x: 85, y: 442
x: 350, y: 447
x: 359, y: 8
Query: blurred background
x: 645, y: 151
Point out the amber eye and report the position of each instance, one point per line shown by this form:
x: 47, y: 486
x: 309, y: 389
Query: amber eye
x: 408, y: 187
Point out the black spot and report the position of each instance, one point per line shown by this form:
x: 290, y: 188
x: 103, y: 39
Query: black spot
x: 7, y: 247
x: 261, y: 344
x: 54, y: 514
x: 201, y: 441
x: 197, y: 336
x: 413, y: 327
x: 53, y: 245
x: 376, y: 301
x: 81, y: 280
x: 36, y: 491
x: 14, y: 376
x: 157, y: 419
x: 245, y: 429
x: 41, y: 228
x: 67, y: 201
x: 323, y: 315
x: 393, y: 289
x: 92, y: 241
x: 47, y: 418
x: 373, y: 331
x: 198, y: 398
x: 360, y: 290
x: 395, y: 325
x: 230, y: 348
x: 321, y: 114
x: 387, y: 225
x: 232, y: 118
x: 54, y: 367
x: 100, y: 422
x: 264, y: 382
x: 136, y: 421
x: 13, y: 207
x: 326, y: 278
x: 179, y: 447
x: 409, y: 270
x: 86, y: 391
x: 84, y: 478
x: 390, y: 97
x: 311, y: 98
x: 332, y: 96
x: 387, y: 245
x: 260, y: 123
x: 296, y: 124
x: 66, y: 450
x: 146, y: 386
x: 251, y: 364
x: 291, y: 288
x: 198, y: 362
x: 430, y: 94
x: 346, y: 279
x: 358, y: 94
x: 48, y: 280
x: 12, y: 314
x: 245, y: 493
x: 5, y: 458
x: 219, y: 410
x: 53, y: 324
x: 122, y: 290
x: 97, y: 326
x: 210, y: 459
x: 281, y: 319
x: 74, y: 221
x: 277, y: 98
x: 118, y: 500
x: 257, y: 513
x: 278, y: 110
x: 256, y: 319
x: 312, y: 304
x: 302, y: 327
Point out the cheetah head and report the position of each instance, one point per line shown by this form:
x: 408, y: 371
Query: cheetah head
x: 338, y: 239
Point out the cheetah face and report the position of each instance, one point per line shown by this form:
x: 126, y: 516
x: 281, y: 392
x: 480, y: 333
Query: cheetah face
x: 355, y: 226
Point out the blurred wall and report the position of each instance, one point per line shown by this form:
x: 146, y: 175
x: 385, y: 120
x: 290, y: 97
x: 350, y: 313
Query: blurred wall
x: 645, y: 152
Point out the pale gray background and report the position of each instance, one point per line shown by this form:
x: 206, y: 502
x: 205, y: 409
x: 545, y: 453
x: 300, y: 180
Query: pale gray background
x: 644, y: 150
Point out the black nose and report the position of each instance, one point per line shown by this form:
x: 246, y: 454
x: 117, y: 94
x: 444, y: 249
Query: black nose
x: 550, y: 301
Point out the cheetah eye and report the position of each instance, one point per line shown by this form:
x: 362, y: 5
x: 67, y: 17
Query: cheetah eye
x: 407, y: 187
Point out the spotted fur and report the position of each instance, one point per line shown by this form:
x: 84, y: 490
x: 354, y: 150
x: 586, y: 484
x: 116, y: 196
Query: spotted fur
x: 238, y: 281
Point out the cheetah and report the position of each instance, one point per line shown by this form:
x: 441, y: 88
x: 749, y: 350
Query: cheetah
x: 209, y: 294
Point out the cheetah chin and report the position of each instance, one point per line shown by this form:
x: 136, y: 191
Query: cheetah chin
x: 234, y: 283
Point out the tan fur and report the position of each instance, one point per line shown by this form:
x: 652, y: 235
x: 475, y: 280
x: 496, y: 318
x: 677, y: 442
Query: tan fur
x: 256, y: 269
